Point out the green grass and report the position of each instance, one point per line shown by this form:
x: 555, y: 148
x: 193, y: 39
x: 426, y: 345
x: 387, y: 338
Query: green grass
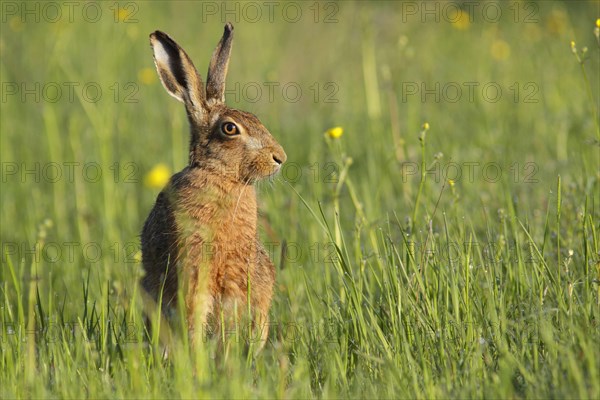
x: 391, y: 282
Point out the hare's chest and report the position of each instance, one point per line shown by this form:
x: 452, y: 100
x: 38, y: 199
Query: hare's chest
x: 222, y: 253
x: 219, y: 234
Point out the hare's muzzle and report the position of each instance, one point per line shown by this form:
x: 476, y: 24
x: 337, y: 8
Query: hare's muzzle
x: 279, y: 156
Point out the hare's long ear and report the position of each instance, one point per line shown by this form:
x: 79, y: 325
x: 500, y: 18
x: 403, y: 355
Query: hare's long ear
x: 217, y: 71
x: 177, y: 72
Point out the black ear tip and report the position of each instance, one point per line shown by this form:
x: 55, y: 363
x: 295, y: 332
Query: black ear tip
x: 159, y: 35
x: 228, y: 27
x: 163, y: 38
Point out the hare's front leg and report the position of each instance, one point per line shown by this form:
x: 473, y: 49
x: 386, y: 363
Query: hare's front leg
x: 198, y: 302
x: 261, y: 297
x: 231, y: 322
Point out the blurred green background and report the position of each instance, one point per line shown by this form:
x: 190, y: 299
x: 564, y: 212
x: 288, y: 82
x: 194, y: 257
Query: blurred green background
x: 88, y: 136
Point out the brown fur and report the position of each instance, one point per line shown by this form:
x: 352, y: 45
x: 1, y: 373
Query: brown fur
x: 201, y: 235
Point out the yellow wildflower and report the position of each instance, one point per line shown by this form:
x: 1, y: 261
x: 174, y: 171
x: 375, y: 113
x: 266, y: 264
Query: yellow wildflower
x: 335, y: 132
x: 424, y: 129
x: 459, y: 19
x: 123, y: 14
x: 147, y: 76
x: 451, y: 182
x: 158, y: 176
x: 500, y: 50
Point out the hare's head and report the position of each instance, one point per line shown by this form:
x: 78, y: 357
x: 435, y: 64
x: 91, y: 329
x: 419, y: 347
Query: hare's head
x: 233, y: 143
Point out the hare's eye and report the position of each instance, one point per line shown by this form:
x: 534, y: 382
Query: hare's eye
x: 229, y: 128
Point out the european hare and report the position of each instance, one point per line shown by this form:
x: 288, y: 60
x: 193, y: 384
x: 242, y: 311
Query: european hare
x: 202, y: 234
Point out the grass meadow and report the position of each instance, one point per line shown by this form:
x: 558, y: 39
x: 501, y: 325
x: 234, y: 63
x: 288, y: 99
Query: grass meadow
x: 444, y: 243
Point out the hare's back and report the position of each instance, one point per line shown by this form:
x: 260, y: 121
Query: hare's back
x: 159, y: 248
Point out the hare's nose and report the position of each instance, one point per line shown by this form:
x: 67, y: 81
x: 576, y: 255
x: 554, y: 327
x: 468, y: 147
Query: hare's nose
x: 279, y: 155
